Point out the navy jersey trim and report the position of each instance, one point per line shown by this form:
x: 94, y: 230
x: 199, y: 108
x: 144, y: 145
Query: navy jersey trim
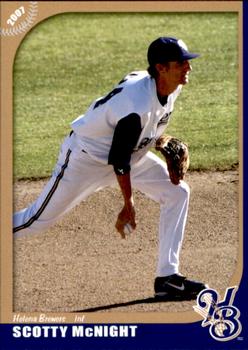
x: 48, y: 197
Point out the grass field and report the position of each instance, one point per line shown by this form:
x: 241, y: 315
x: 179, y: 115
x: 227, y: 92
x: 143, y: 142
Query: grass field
x: 68, y: 60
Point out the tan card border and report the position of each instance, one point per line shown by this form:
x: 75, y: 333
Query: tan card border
x: 9, y: 46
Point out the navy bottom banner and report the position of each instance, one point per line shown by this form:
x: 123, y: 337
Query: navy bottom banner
x: 120, y: 336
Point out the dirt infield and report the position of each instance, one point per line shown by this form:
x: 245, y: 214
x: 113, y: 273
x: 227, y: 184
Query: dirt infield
x: 82, y: 263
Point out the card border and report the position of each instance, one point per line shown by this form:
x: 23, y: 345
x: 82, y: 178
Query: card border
x: 9, y: 46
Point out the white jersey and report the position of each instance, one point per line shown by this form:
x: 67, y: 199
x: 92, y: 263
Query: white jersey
x: 118, y: 143
x: 136, y: 93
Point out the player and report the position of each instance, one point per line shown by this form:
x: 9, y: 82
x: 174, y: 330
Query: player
x: 110, y: 143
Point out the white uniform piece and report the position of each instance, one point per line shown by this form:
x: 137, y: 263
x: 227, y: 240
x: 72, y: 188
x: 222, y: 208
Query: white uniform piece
x: 82, y: 167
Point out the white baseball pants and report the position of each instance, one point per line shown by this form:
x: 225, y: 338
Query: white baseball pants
x: 77, y: 175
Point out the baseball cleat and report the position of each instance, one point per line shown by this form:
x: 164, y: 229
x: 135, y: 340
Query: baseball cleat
x: 177, y: 287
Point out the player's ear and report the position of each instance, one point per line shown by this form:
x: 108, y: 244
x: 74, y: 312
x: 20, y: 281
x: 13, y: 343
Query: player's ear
x: 161, y: 68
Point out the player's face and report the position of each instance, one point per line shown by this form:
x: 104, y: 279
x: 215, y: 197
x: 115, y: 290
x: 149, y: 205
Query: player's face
x: 171, y: 75
x: 178, y: 72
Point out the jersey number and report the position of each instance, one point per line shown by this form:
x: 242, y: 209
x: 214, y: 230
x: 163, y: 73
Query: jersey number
x: 108, y: 97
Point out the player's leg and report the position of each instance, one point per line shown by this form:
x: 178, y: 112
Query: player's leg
x: 75, y: 177
x: 151, y: 177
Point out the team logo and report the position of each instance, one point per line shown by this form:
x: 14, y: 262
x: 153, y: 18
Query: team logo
x: 221, y: 316
x: 165, y: 119
x: 144, y: 142
x: 182, y: 44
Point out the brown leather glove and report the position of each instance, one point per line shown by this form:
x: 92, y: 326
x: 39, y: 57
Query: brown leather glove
x: 176, y: 154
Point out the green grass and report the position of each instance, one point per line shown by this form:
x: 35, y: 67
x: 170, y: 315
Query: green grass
x: 68, y: 60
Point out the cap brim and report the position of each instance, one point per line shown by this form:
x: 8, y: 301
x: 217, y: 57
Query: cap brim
x: 190, y: 56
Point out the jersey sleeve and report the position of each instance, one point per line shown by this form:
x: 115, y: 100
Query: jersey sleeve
x: 125, y: 138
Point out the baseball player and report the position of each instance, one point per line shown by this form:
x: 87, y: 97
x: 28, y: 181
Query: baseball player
x: 110, y: 143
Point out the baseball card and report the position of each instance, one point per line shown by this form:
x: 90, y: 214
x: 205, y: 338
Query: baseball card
x: 123, y: 147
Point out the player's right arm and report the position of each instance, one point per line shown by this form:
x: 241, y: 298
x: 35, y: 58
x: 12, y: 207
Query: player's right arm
x: 125, y: 138
x: 127, y: 214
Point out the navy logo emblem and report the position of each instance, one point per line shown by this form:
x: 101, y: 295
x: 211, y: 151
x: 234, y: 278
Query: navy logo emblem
x: 221, y: 316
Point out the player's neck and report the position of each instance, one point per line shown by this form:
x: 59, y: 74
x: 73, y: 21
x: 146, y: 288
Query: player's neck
x: 164, y: 88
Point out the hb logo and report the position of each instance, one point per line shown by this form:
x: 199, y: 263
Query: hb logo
x: 221, y: 316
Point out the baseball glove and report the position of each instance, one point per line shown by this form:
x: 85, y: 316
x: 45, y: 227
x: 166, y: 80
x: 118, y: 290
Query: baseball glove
x: 176, y: 154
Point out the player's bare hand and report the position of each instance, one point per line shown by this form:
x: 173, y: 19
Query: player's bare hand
x: 126, y: 216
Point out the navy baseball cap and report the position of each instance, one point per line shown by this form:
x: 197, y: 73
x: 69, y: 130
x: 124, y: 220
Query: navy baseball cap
x: 166, y: 49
